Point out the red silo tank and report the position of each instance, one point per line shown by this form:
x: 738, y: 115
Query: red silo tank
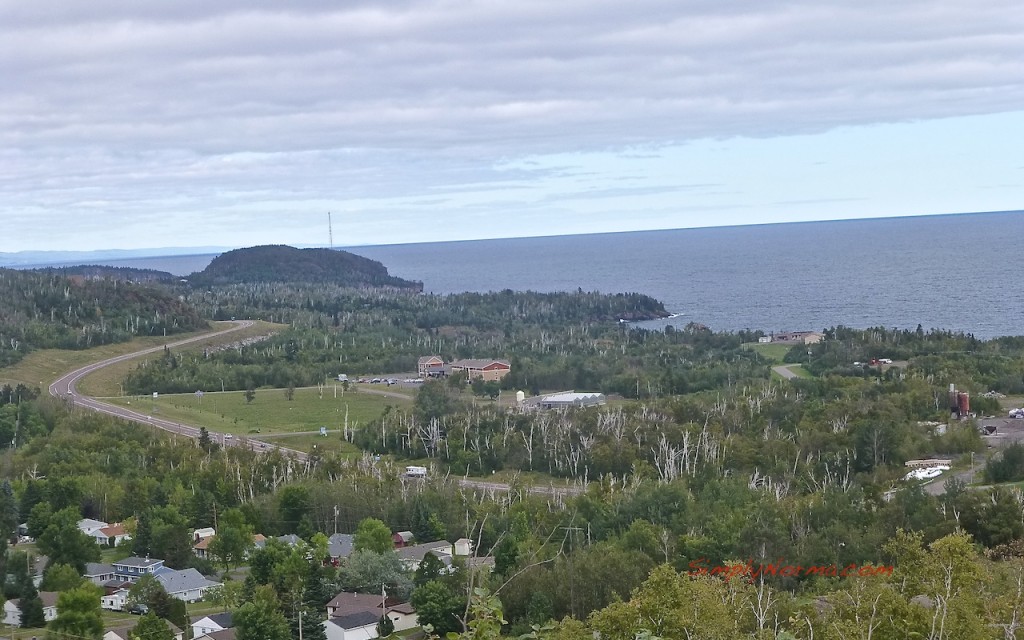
x: 963, y: 400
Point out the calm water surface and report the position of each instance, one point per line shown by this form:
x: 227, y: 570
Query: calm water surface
x: 953, y: 272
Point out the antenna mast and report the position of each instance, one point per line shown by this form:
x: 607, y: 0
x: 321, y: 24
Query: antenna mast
x: 330, y: 230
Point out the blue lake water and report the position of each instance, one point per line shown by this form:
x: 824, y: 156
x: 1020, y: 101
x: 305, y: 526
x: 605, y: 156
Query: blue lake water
x: 958, y: 272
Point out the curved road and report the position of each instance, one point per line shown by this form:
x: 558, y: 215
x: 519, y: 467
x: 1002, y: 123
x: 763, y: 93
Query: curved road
x: 65, y: 388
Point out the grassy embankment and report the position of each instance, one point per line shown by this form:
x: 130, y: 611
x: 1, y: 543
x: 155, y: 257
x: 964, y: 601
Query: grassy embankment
x: 775, y: 354
x: 42, y: 367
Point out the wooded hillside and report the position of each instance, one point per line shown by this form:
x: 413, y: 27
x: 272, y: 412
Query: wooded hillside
x: 281, y: 263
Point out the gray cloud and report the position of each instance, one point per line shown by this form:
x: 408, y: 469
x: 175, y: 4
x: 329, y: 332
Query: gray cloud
x: 118, y: 106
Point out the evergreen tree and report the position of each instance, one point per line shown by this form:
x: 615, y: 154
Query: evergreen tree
x: 8, y: 510
x: 31, y: 495
x: 142, y: 541
x: 385, y: 627
x: 31, y: 607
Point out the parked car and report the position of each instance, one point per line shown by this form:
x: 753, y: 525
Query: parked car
x: 138, y: 609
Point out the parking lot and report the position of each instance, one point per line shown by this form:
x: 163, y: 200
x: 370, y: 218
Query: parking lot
x: 1008, y: 431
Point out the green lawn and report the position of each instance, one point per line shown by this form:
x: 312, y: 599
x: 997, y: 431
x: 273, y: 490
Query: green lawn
x: 270, y: 412
x: 774, y: 353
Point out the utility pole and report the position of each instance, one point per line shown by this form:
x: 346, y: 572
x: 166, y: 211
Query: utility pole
x: 300, y: 624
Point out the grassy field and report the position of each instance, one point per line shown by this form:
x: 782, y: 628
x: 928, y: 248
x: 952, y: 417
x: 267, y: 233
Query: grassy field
x: 105, y: 382
x: 773, y: 352
x: 40, y: 368
x: 269, y: 412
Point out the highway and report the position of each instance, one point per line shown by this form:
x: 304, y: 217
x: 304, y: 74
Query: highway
x: 66, y: 389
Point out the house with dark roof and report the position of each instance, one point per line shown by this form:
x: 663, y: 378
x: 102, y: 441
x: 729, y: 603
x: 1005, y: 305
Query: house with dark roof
x: 223, y: 634
x: 203, y: 625
x: 353, y: 626
x: 349, y: 615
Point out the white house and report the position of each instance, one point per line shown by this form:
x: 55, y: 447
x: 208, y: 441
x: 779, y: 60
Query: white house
x: 223, y: 634
x: 210, y: 624
x: 12, y: 610
x: 88, y: 526
x: 188, y: 585
x: 353, y: 626
x: 111, y: 535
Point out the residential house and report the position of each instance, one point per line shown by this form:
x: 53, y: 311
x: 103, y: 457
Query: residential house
x: 413, y: 555
x: 121, y: 631
x: 223, y: 634
x: 430, y: 366
x: 291, y: 540
x: 111, y: 535
x: 339, y: 546
x: 202, y: 625
x: 486, y: 369
x: 133, y: 568
x: 349, y: 614
x: 98, y: 573
x: 798, y: 337
x: 88, y: 526
x: 12, y: 610
x: 402, y: 539
x: 202, y: 548
x: 206, y: 532
x: 361, y: 625
x: 188, y: 585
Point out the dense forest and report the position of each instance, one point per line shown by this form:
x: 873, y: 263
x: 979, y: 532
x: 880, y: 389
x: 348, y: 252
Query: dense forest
x: 680, y: 501
x: 281, y: 263
x: 48, y: 310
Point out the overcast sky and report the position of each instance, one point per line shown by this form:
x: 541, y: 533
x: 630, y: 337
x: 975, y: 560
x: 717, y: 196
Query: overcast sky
x: 195, y: 123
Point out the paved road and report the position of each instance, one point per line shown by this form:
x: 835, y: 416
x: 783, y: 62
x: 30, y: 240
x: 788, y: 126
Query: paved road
x: 784, y: 371
x: 65, y: 388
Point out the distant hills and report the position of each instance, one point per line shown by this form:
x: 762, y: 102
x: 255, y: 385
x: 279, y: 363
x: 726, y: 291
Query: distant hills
x: 281, y: 263
x: 23, y: 259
